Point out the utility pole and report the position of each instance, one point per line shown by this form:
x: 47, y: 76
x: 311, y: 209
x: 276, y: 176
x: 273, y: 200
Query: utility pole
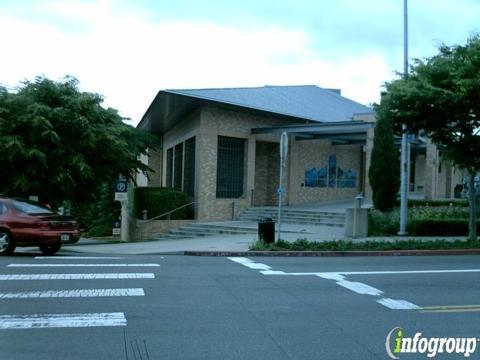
x: 281, y: 189
x: 405, y: 148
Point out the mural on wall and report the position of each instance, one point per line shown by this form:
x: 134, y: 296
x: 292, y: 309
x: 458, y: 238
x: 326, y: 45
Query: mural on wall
x: 330, y: 176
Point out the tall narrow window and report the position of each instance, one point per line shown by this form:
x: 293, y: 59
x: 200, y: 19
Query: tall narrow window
x: 178, y: 167
x: 189, y: 172
x: 169, y: 170
x: 230, y: 163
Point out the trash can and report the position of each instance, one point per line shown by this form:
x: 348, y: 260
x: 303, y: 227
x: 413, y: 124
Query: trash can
x: 266, y: 231
x: 458, y: 191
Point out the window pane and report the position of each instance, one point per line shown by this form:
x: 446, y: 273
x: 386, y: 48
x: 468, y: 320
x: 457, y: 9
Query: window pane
x: 178, y: 167
x: 169, y: 173
x: 230, y: 162
x: 189, y: 175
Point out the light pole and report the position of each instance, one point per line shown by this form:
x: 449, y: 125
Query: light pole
x: 405, y: 149
x: 281, y: 190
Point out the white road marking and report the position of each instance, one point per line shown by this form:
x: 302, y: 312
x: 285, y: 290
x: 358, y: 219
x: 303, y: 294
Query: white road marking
x: 357, y: 287
x: 62, y: 320
x: 330, y: 273
x: 82, y: 265
x: 273, y: 272
x: 73, y: 293
x: 78, y: 257
x: 360, y: 288
x: 240, y: 260
x: 91, y: 276
x: 250, y: 264
x: 397, y: 304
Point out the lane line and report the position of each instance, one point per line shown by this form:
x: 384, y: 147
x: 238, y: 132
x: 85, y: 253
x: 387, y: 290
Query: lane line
x: 452, y: 310
x: 398, y: 304
x: 73, y: 293
x: 249, y: 263
x: 91, y: 276
x: 440, y: 307
x: 360, y: 288
x: 355, y: 286
x: 62, y: 320
x: 330, y: 273
x: 78, y: 257
x: 82, y: 265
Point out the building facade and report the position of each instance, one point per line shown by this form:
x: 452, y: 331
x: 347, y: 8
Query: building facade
x: 221, y: 147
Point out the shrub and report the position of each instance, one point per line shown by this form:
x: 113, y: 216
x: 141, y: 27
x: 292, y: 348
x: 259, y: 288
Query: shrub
x: 435, y: 203
x: 383, y: 223
x: 439, y: 227
x: 158, y: 201
x: 100, y: 230
x: 342, y: 245
x: 384, y: 169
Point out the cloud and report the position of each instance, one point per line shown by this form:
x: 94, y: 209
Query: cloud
x: 128, y: 54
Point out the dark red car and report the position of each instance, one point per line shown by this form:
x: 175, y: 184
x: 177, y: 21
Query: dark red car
x: 28, y: 223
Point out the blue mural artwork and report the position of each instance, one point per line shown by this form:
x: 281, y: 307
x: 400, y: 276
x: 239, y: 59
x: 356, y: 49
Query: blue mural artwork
x: 331, y: 176
x: 332, y: 171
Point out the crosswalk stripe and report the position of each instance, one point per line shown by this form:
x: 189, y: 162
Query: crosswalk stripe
x: 78, y: 257
x: 90, y: 276
x: 73, y: 293
x: 62, y: 320
x: 82, y: 265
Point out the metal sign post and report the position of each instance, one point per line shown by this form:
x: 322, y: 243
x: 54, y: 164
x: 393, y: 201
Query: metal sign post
x: 405, y: 146
x: 281, y: 190
x: 121, y: 195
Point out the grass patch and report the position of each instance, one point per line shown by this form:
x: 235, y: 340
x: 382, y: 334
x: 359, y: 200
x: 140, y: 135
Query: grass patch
x: 342, y: 245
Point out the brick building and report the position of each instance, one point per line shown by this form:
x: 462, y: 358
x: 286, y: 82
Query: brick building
x: 221, y: 147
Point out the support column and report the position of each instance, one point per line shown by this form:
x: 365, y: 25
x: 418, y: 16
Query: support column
x: 431, y: 172
x: 206, y: 175
x: 155, y: 162
x: 368, y: 160
x: 250, y: 185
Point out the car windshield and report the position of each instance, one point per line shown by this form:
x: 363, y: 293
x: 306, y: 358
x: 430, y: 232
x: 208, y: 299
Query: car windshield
x: 30, y: 207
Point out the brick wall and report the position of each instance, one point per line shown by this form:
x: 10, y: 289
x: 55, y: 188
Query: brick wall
x: 307, y: 154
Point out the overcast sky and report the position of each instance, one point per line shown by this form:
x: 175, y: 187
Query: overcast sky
x: 129, y: 50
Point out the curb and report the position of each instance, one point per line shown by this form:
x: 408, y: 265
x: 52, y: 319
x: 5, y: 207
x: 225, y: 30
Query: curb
x: 336, y: 253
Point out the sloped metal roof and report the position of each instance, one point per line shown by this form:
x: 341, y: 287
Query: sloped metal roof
x: 308, y: 102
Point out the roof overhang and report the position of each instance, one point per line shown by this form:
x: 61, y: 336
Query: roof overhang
x: 344, y: 132
x: 167, y: 108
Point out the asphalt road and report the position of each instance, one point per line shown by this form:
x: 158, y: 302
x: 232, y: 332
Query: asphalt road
x: 182, y: 307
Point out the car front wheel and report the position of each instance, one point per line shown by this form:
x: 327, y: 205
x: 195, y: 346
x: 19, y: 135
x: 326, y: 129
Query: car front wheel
x: 50, y: 249
x: 7, y: 244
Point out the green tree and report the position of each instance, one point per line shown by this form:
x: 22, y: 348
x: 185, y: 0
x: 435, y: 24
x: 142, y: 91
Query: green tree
x: 385, y: 165
x: 61, y: 144
x: 441, y: 96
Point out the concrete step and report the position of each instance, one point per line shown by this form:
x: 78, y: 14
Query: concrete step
x: 302, y: 222
x: 274, y: 216
x: 292, y: 213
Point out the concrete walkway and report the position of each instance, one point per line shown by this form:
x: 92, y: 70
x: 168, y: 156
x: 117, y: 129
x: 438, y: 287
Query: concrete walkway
x: 290, y: 232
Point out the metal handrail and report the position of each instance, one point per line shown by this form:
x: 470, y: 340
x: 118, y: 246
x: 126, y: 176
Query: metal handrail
x: 159, y: 216
x: 168, y: 213
x: 243, y: 196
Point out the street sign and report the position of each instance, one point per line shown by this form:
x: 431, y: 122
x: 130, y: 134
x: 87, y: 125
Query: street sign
x: 283, y: 148
x: 116, y: 230
x: 121, y: 196
x: 121, y: 186
x: 280, y: 190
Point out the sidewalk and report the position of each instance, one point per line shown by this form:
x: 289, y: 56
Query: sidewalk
x: 205, y: 243
x: 218, y: 243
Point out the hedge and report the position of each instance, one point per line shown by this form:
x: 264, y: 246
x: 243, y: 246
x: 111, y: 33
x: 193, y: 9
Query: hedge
x: 440, y: 227
x: 160, y: 200
x: 435, y: 203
